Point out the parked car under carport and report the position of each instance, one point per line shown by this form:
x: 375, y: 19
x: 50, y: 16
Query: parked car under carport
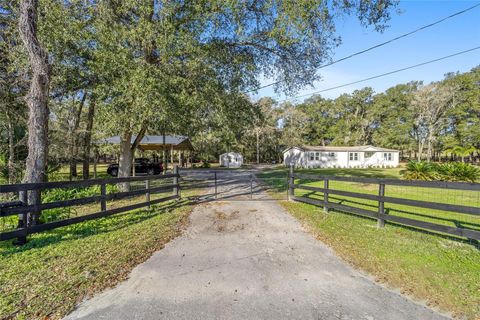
x: 143, y: 166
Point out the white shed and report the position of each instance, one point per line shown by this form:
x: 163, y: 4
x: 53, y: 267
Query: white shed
x: 341, y: 157
x: 231, y: 160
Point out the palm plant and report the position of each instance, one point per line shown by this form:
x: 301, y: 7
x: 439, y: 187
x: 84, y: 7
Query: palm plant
x: 450, y: 171
x: 464, y: 172
x: 462, y: 151
x: 419, y: 170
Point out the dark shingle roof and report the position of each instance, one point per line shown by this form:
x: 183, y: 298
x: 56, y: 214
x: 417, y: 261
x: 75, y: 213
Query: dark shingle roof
x: 156, y: 142
x: 149, y: 139
x: 344, y: 148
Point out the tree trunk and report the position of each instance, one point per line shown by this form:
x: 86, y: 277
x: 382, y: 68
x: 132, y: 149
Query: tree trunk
x: 430, y: 140
x: 37, y: 101
x: 127, y: 152
x: 88, y: 138
x: 95, y: 161
x: 11, y: 150
x: 429, y: 151
x: 73, y: 135
x: 420, y: 151
x: 125, y: 161
x: 258, y: 147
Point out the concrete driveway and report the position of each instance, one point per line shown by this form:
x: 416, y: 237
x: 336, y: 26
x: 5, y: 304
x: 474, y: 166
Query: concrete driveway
x: 248, y: 260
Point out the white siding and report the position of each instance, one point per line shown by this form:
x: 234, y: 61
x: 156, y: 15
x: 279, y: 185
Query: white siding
x: 341, y: 159
x: 295, y: 157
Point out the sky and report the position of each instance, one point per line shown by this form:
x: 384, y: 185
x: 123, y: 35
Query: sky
x: 453, y: 35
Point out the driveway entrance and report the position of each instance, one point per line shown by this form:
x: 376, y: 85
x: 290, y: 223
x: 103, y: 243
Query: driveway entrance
x: 248, y: 259
x: 234, y: 185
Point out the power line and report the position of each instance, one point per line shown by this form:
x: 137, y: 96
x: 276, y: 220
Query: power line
x: 384, y: 74
x: 380, y: 44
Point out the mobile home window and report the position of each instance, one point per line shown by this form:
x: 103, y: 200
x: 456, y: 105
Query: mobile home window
x: 387, y: 156
x: 317, y: 155
x: 353, y: 156
x: 312, y: 156
x: 331, y: 154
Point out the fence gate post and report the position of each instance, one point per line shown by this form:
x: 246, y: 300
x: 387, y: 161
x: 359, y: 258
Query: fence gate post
x: 325, y: 195
x: 147, y: 192
x: 381, y: 205
x: 251, y: 185
x: 176, y: 189
x: 291, y: 181
x: 103, y: 201
x: 215, y: 178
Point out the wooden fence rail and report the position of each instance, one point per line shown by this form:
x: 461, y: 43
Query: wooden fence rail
x: 380, y: 214
x: 23, y: 210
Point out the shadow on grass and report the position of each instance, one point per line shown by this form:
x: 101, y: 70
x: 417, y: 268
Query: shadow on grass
x: 360, y: 173
x: 93, y: 227
x: 459, y: 224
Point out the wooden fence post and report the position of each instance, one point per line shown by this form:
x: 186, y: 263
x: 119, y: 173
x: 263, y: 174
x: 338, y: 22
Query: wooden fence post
x: 103, y: 201
x: 215, y: 178
x: 325, y: 195
x: 22, y: 219
x: 36, y: 197
x: 147, y: 192
x: 176, y: 189
x: 291, y: 181
x: 381, y: 205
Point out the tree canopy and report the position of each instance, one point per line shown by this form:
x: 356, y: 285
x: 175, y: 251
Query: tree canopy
x: 130, y: 68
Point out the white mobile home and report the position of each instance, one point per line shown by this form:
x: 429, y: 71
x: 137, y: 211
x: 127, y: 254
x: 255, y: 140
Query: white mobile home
x: 341, y: 157
x: 231, y: 160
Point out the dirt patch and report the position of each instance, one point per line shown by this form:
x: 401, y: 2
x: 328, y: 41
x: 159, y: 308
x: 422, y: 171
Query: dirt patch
x: 223, y: 221
x: 220, y: 215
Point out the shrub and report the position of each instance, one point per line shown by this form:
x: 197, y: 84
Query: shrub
x: 458, y: 171
x: 67, y: 194
x: 451, y: 171
x: 419, y: 170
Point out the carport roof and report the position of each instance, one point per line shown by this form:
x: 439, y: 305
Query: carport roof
x: 156, y: 142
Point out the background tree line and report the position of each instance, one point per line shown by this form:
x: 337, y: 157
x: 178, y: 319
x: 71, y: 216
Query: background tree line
x: 436, y: 121
x: 423, y: 121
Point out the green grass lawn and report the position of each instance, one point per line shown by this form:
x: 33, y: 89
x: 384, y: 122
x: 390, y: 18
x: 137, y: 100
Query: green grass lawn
x: 55, y: 270
x: 442, y: 270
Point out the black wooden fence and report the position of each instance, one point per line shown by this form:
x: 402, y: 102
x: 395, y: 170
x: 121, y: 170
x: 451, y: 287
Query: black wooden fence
x: 25, y: 212
x: 380, y: 214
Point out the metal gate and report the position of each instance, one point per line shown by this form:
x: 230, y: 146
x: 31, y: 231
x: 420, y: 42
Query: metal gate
x: 233, y: 185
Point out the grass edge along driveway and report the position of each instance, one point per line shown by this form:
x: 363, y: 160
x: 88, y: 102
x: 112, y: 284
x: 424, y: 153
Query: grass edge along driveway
x: 443, y: 272
x: 46, y: 278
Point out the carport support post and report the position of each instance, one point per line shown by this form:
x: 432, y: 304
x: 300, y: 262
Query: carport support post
x: 147, y: 192
x: 290, y: 183
x: 325, y: 195
x: 176, y: 189
x: 381, y: 205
